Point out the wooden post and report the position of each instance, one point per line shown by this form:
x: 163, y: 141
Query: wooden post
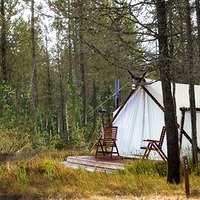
x: 186, y: 176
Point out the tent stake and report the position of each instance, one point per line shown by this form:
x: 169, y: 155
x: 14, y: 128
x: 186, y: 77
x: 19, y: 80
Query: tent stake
x: 186, y: 176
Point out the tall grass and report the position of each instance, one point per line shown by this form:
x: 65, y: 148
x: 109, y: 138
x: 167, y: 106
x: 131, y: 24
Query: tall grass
x: 45, y: 176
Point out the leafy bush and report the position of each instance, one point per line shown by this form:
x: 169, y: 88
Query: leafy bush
x: 12, y: 141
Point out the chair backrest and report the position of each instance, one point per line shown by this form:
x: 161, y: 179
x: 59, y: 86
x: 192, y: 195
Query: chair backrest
x: 162, y: 136
x: 110, y: 132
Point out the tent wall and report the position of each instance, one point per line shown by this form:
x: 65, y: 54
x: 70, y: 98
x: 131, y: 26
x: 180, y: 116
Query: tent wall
x: 141, y: 118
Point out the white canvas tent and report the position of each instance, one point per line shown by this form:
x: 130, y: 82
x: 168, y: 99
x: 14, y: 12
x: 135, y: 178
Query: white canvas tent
x: 141, y: 117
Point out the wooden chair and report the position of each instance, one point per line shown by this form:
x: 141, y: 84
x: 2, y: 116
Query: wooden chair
x: 107, y: 142
x: 155, y: 145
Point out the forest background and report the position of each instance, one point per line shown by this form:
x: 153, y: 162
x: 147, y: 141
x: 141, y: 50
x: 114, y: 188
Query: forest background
x: 60, y: 58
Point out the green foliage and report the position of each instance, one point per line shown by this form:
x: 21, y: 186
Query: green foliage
x: 22, y: 173
x: 79, y: 137
x: 44, y: 140
x: 108, y: 48
x: 49, y: 166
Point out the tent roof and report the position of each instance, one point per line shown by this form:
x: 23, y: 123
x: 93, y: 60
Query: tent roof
x: 181, y: 91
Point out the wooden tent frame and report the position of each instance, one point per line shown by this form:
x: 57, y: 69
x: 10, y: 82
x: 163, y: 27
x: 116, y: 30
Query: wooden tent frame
x: 182, y: 131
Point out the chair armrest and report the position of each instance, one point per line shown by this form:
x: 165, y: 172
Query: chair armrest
x: 149, y: 140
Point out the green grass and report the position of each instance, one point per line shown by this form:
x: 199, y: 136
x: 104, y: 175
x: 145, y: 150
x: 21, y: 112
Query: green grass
x: 44, y: 176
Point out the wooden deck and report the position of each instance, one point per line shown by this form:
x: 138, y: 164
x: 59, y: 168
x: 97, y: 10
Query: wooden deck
x: 91, y: 163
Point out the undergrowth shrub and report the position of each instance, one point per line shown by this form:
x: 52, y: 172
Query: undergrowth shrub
x: 49, y: 166
x: 45, y: 141
x: 12, y: 141
x: 79, y: 138
x: 140, y: 167
x: 8, y: 177
x: 22, y: 174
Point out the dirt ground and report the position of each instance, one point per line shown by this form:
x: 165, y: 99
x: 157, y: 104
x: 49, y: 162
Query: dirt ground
x: 138, y: 198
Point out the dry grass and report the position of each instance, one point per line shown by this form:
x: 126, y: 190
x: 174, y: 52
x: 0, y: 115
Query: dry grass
x: 44, y: 177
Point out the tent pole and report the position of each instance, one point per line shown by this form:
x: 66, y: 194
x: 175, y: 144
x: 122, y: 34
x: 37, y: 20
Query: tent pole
x: 121, y: 107
x: 138, y: 80
x: 182, y: 125
x: 154, y: 99
x: 183, y: 132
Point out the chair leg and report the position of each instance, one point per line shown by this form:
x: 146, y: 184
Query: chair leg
x: 97, y: 149
x: 160, y: 152
x: 112, y: 149
x: 117, y: 149
x: 111, y: 152
x: 147, y: 151
x: 162, y: 155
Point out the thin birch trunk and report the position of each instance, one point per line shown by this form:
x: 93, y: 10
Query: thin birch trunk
x: 190, y: 65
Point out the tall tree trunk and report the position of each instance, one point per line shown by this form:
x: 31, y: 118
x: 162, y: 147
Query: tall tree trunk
x: 170, y: 118
x: 76, y: 79
x: 70, y: 72
x: 171, y: 50
x: 198, y: 24
x: 3, y: 54
x: 94, y: 105
x: 190, y: 66
x: 34, y: 67
x: 62, y: 102
x: 198, y: 29
x: 49, y: 106
x: 182, y: 47
x: 49, y: 81
x: 3, y: 43
x: 70, y: 43
x: 82, y: 65
x: 83, y: 90
x: 62, y: 125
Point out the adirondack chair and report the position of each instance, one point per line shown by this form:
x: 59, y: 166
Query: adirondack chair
x: 155, y: 145
x: 107, y: 142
